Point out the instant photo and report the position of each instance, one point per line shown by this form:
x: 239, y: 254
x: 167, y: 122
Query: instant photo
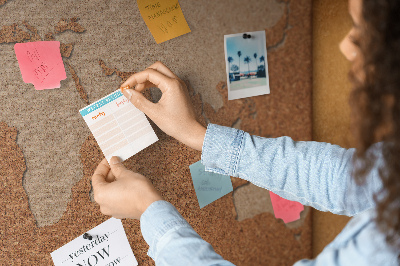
x: 246, y: 64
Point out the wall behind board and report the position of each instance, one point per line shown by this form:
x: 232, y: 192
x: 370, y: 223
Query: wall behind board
x: 331, y: 89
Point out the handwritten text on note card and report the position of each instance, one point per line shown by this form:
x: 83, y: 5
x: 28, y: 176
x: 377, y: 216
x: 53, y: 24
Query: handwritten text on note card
x: 41, y: 64
x: 209, y: 186
x: 284, y: 209
x: 164, y: 18
x: 108, y: 246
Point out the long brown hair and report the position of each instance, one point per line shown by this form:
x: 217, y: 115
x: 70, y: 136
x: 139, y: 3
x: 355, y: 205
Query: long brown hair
x: 376, y: 105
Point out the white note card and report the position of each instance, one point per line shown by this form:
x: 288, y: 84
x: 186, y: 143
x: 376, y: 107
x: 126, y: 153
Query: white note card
x: 118, y: 126
x: 108, y: 247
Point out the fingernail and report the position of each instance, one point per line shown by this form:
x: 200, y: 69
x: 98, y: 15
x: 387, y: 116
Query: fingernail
x: 129, y: 93
x: 115, y: 160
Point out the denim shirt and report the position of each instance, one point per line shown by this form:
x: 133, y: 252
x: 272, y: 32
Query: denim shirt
x: 312, y: 173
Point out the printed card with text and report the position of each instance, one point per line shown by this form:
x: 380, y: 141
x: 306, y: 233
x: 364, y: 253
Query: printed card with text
x: 118, y: 126
x: 108, y: 246
x: 209, y: 186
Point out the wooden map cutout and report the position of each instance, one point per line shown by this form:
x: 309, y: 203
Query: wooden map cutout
x: 14, y: 34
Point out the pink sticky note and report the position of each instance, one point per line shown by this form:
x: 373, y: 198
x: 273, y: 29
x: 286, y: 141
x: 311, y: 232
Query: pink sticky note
x: 41, y: 64
x: 286, y: 210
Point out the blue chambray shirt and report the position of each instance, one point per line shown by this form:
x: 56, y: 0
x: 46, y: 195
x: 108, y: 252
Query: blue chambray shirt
x: 312, y: 173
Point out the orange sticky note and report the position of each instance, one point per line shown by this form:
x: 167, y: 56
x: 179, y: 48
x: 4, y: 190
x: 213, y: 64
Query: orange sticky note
x: 41, y: 64
x: 284, y: 209
x: 164, y: 18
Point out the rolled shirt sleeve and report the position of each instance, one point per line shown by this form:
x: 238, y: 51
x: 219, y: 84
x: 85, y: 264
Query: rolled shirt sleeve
x: 316, y: 174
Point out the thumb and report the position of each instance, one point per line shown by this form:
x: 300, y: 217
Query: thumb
x: 100, y: 174
x: 138, y: 100
x: 117, y: 168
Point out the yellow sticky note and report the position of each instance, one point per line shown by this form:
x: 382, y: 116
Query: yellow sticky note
x: 164, y: 18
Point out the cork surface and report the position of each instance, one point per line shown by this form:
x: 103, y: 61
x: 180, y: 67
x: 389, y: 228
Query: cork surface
x: 115, y: 33
x: 250, y: 200
x: 55, y: 207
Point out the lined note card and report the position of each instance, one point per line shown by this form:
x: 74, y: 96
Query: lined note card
x: 118, y: 126
x: 209, y: 186
x: 164, y: 18
x: 41, y: 64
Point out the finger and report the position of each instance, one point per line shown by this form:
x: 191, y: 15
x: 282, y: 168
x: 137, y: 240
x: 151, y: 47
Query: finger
x: 149, y: 75
x: 117, y: 167
x: 140, y: 102
x: 160, y: 67
x: 142, y: 86
x: 110, y: 177
x: 100, y: 174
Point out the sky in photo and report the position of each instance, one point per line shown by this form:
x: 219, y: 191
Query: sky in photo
x: 248, y: 47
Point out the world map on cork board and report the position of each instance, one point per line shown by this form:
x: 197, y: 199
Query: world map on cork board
x: 49, y: 154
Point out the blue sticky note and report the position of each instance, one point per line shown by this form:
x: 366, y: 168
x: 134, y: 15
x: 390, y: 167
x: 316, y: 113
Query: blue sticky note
x: 209, y: 186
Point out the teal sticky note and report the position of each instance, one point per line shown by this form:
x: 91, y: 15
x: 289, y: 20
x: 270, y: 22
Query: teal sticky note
x: 209, y: 186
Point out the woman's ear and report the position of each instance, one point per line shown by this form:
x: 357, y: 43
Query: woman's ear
x: 348, y: 48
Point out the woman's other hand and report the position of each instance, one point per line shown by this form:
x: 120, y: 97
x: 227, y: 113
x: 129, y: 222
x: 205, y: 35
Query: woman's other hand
x: 120, y: 192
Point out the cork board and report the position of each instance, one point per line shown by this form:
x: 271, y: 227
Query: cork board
x: 48, y: 154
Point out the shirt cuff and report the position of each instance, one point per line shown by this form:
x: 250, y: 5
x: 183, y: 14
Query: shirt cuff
x: 221, y: 150
x: 158, y: 219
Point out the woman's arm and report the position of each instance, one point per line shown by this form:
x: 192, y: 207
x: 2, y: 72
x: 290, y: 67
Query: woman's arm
x: 122, y: 193
x: 312, y: 173
x: 172, y: 240
x: 315, y: 174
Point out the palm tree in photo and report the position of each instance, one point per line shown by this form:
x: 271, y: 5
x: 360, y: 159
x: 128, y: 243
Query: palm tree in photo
x: 262, y: 59
x: 239, y: 54
x: 247, y: 60
x: 255, y: 58
x: 230, y: 60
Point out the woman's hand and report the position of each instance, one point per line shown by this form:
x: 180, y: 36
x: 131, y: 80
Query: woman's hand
x: 120, y: 192
x: 174, y: 113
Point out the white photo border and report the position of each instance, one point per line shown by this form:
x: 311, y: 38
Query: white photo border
x: 248, y: 92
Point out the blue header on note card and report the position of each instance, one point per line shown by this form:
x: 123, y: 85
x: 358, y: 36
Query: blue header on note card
x: 100, y: 103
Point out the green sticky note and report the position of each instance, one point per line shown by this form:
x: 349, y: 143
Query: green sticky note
x: 209, y: 186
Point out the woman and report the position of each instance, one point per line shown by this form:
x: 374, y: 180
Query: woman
x: 320, y: 175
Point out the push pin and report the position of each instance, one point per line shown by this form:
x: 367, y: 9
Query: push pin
x: 87, y: 236
x: 125, y: 88
x: 246, y: 36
